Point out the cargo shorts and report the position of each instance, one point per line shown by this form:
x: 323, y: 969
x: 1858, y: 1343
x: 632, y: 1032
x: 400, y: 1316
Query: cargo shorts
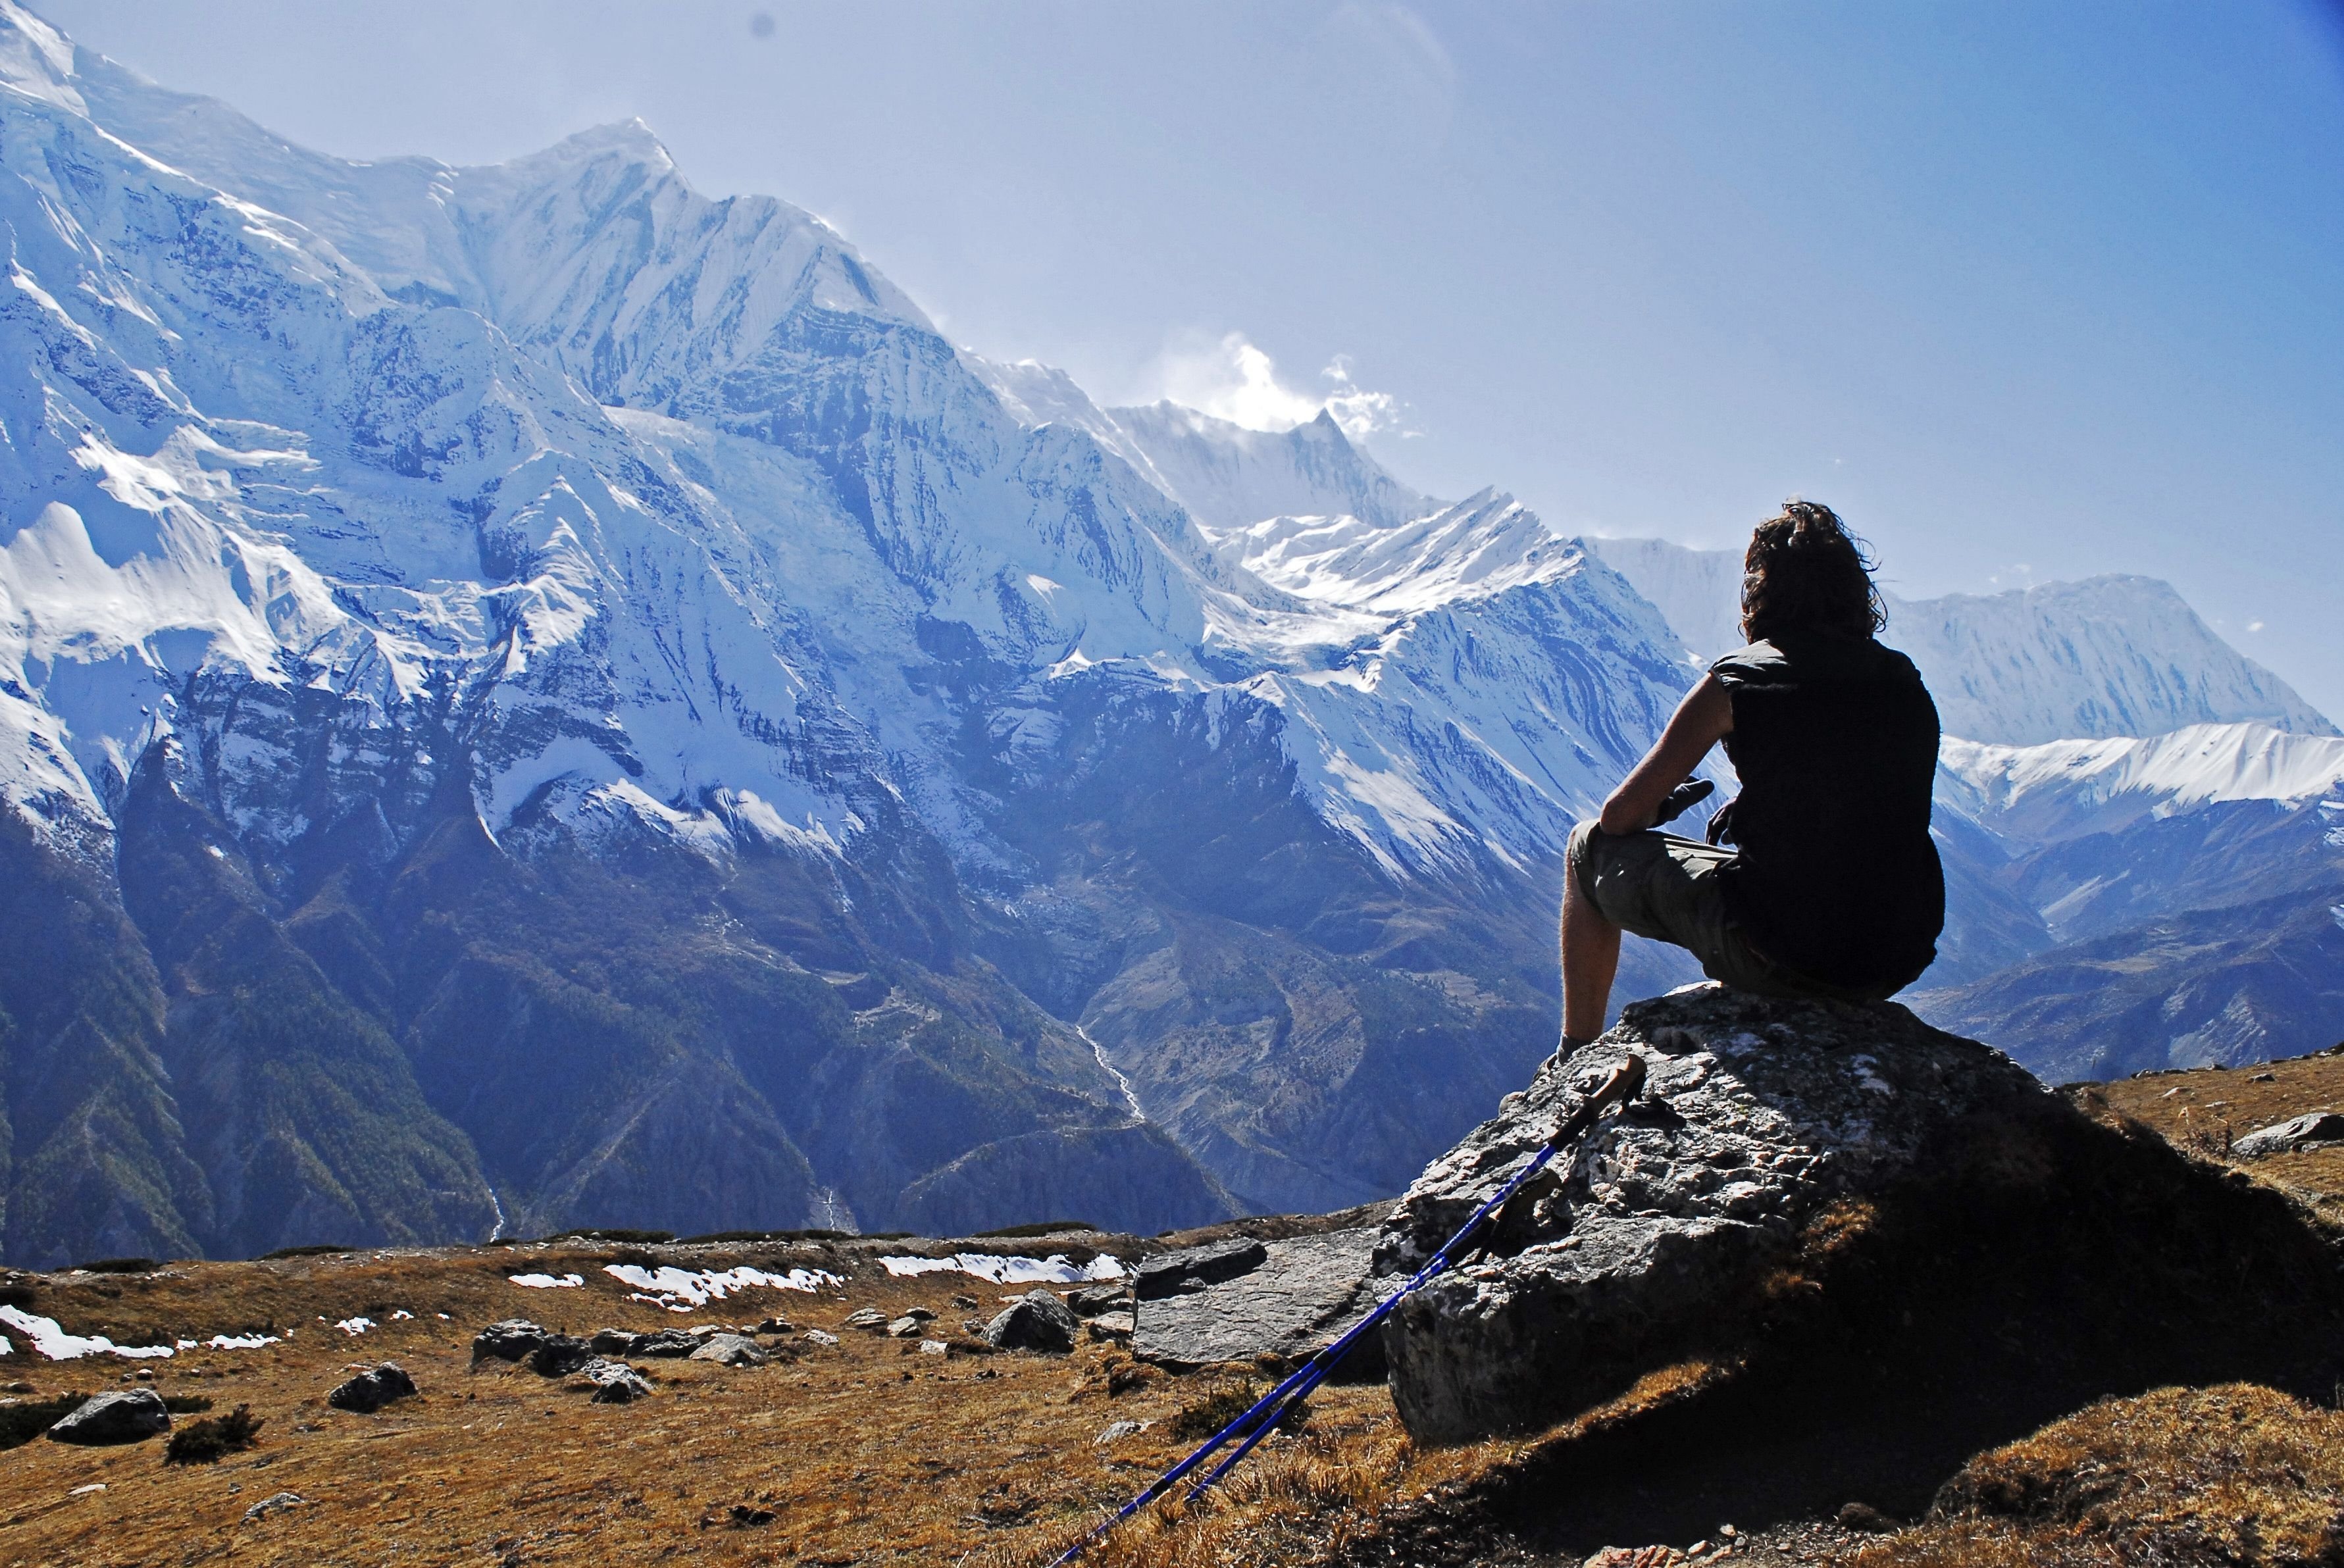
x: 1668, y: 889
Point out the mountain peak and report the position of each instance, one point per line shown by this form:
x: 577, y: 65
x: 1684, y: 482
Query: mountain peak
x: 37, y: 59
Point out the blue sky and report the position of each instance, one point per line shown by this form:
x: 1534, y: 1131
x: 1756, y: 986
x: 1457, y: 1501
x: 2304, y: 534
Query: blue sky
x: 2028, y: 291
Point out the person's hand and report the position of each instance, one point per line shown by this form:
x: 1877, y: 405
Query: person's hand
x: 1682, y: 799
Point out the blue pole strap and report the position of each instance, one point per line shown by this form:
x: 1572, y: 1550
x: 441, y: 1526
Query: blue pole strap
x: 1271, y: 1406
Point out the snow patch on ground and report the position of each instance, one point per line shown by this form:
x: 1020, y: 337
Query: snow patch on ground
x: 55, y: 1344
x: 680, y: 1289
x: 1052, y: 1270
x: 546, y: 1281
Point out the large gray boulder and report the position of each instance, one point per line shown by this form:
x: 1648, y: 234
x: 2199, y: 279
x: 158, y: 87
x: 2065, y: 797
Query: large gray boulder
x: 131, y: 1415
x: 371, y: 1391
x: 2304, y: 1131
x: 1657, y: 1231
x: 1036, y: 1321
x: 1294, y: 1299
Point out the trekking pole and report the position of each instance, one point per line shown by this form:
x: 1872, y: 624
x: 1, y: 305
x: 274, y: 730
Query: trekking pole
x: 1256, y: 1422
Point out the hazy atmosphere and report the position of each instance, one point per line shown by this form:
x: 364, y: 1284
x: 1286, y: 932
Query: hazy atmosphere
x: 2027, y: 291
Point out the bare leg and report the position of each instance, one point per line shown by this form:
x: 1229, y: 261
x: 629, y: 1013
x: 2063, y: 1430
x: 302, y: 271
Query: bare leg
x: 1591, y: 958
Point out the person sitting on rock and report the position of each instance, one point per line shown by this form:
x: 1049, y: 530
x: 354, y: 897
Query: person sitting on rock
x: 1831, y: 887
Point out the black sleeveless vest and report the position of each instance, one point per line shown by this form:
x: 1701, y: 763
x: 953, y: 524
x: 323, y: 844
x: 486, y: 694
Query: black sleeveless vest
x: 1835, y: 740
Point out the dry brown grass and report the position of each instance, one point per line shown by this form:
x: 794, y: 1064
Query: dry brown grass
x: 864, y: 1453
x: 2204, y: 1112
x: 2234, y: 1474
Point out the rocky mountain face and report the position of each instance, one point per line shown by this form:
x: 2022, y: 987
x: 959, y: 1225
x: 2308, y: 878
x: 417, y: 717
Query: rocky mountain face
x: 530, y: 696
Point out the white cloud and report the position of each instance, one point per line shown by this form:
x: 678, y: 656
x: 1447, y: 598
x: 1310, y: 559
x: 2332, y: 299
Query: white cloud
x: 1235, y: 380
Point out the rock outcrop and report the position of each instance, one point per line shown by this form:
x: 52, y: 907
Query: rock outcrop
x: 614, y: 1383
x: 1242, y: 1299
x: 1037, y: 1320
x: 1832, y: 1251
x: 1754, y: 1118
x: 371, y: 1391
x: 131, y: 1415
x: 2297, y: 1132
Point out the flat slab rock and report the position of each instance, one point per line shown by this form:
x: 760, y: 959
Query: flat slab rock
x: 1292, y: 1300
x: 1757, y: 1114
x: 2304, y: 1131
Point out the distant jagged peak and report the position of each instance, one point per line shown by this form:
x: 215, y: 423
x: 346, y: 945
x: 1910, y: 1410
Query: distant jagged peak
x: 2119, y: 655
x: 1485, y: 544
x: 37, y: 59
x: 2104, y: 657
x: 632, y: 139
x: 1229, y: 476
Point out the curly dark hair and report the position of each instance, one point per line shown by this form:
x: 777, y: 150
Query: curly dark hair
x: 1804, y: 569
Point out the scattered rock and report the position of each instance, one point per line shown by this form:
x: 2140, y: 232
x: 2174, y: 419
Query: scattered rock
x: 369, y: 1392
x: 127, y: 1415
x: 817, y: 1337
x: 775, y: 1326
x: 1301, y: 1294
x: 2296, y: 1132
x: 276, y: 1503
x: 614, y: 1382
x: 668, y: 1344
x: 933, y: 1347
x: 1116, y: 1431
x: 1109, y: 1326
x: 907, y: 1327
x: 870, y: 1319
x: 1196, y: 1268
x: 559, y: 1355
x: 614, y: 1342
x: 743, y: 1517
x: 1637, y: 1557
x: 732, y: 1351
x: 1094, y: 1299
x: 1037, y: 1320
x: 965, y: 1303
x: 511, y: 1339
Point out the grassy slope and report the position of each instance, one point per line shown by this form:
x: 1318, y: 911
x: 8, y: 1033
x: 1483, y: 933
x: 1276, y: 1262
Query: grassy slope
x: 867, y: 1455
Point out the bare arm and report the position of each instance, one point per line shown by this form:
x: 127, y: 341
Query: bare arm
x: 1704, y: 717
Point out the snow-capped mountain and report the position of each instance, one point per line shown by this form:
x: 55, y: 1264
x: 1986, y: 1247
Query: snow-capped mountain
x: 2065, y: 789
x: 565, y: 700
x: 2108, y: 656
x: 531, y: 696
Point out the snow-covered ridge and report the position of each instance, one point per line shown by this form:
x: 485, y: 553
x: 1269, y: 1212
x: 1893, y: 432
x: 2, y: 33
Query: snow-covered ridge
x: 675, y: 491
x: 2067, y: 788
